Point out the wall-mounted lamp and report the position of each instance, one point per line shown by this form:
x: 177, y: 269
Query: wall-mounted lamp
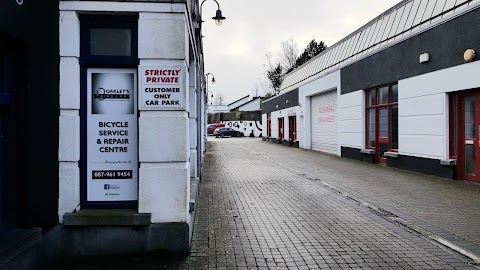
x: 424, y: 58
x: 213, y: 78
x: 219, y: 18
x: 469, y: 55
x: 20, y: 2
x: 206, y: 88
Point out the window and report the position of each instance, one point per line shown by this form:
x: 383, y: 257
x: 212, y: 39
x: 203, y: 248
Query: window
x: 109, y: 39
x: 382, y: 120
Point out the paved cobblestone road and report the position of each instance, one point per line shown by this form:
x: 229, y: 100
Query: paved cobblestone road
x: 259, y: 207
x: 266, y: 206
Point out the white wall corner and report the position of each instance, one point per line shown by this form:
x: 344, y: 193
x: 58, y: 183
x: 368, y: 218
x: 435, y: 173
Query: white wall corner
x: 193, y: 133
x: 69, y: 83
x: 163, y: 138
x: 69, y: 188
x: 69, y: 34
x: 69, y: 138
x: 446, y: 123
x: 162, y: 36
x: 164, y: 191
x: 192, y: 100
x: 193, y: 163
x: 187, y: 42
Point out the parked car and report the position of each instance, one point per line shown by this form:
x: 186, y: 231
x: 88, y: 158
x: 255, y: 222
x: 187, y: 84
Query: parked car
x: 222, y: 132
x: 211, y: 128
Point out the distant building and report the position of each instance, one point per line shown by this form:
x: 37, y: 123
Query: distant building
x: 246, y: 103
x: 250, y: 123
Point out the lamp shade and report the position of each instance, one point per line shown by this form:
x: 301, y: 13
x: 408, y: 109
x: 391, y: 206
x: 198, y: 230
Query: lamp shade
x: 219, y: 18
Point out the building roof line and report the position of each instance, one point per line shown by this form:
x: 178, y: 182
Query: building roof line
x: 377, y: 35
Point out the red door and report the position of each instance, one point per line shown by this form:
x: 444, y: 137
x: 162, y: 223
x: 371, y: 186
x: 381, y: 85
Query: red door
x: 280, y: 130
x: 292, y: 128
x: 383, y: 141
x: 469, y: 143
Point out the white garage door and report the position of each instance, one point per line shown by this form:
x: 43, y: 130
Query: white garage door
x: 324, y: 122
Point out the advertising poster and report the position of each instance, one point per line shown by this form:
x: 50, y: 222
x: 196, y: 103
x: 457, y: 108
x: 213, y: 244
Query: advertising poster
x: 162, y: 87
x: 112, y: 154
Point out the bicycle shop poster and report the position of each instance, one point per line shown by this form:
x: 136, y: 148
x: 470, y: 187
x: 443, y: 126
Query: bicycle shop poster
x: 112, y: 149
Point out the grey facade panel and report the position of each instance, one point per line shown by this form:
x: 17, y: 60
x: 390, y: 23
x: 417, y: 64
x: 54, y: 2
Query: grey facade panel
x: 446, y: 44
x: 281, y: 100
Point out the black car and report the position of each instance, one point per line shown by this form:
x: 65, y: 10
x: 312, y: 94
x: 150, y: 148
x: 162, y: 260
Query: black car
x: 222, y: 132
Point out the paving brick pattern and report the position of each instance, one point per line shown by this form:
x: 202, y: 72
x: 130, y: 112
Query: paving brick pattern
x: 446, y: 207
x: 255, y: 214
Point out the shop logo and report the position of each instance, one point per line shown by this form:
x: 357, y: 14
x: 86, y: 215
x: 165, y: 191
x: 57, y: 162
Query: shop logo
x: 109, y: 187
x: 102, y: 94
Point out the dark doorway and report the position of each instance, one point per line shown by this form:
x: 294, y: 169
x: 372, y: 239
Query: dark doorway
x: 280, y: 130
x: 292, y: 129
x: 7, y: 128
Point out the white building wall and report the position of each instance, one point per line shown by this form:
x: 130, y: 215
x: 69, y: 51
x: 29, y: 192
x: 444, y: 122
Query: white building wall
x: 218, y: 108
x: 285, y: 113
x: 238, y: 103
x: 164, y: 146
x: 423, y: 109
x: 327, y: 83
x: 192, y: 90
x: 165, y: 164
x: 264, y: 125
x: 352, y: 120
x: 69, y: 119
x: 247, y: 127
x: 254, y: 105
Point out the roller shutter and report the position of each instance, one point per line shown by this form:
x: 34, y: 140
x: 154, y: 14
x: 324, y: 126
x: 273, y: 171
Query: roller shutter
x: 324, y: 122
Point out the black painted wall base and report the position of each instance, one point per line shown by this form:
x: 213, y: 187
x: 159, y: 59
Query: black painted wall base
x: 354, y: 153
x: 416, y: 164
x: 295, y: 144
x: 422, y: 165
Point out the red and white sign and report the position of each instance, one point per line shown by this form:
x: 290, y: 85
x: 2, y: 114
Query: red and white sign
x: 162, y: 87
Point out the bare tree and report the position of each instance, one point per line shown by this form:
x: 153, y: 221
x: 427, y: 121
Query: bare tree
x: 276, y: 67
x: 287, y: 60
x: 219, y: 99
x: 289, y: 53
x: 255, y: 90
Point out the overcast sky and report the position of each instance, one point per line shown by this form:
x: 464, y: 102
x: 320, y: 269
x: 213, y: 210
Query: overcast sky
x: 235, y: 52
